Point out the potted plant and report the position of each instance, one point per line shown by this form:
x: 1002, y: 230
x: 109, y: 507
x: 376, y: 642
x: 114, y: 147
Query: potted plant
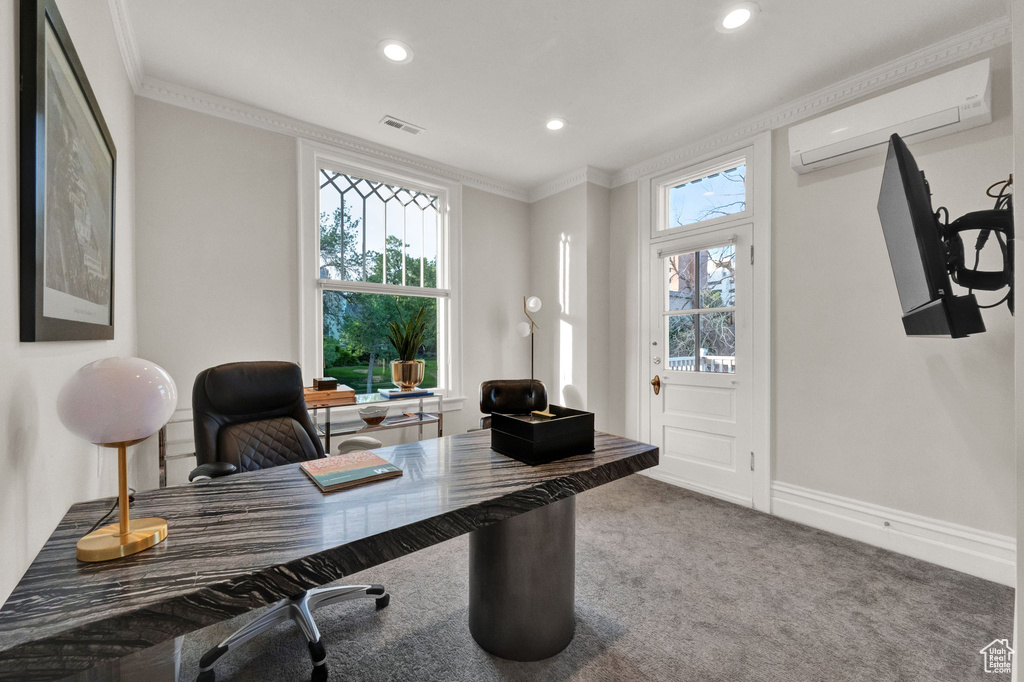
x: 406, y: 335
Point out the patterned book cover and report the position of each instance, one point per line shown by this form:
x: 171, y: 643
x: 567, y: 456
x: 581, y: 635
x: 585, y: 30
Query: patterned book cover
x: 349, y: 470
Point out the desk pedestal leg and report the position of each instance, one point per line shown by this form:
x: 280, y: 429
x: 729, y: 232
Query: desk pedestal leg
x: 522, y: 574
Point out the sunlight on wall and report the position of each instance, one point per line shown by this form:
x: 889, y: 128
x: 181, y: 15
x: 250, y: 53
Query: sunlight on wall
x: 565, y: 387
x: 563, y: 272
x: 564, y: 359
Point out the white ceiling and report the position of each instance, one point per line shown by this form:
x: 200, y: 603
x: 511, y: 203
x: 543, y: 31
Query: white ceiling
x: 633, y: 79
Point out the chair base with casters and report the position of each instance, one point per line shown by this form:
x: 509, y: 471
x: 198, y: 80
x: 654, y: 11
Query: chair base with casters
x: 300, y: 610
x: 249, y: 416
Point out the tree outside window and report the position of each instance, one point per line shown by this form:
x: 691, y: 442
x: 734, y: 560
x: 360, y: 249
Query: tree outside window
x: 378, y: 234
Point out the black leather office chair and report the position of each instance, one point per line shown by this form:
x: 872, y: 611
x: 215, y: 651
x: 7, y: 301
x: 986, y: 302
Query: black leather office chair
x: 248, y: 416
x: 511, y: 396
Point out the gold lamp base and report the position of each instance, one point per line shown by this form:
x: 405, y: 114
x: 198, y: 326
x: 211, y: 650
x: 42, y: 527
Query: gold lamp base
x: 106, y: 543
x: 128, y: 536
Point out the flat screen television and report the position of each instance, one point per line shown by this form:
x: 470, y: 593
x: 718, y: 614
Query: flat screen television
x: 918, y: 253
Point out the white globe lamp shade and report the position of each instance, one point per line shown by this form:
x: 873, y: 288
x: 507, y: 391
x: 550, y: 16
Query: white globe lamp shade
x: 523, y: 329
x: 533, y: 304
x: 117, y: 400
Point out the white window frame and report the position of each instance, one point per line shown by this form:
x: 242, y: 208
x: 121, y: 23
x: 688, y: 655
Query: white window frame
x: 652, y: 217
x: 660, y: 228
x: 312, y: 157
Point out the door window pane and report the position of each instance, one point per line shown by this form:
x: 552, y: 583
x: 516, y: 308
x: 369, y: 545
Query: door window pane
x: 702, y: 279
x: 681, y: 342
x: 717, y: 333
x: 717, y: 342
x: 682, y: 281
x: 708, y: 197
x: 718, y: 277
x: 701, y: 324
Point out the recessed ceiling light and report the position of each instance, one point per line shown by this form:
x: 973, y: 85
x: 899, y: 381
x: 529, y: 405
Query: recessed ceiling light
x: 556, y: 124
x: 395, y: 51
x: 733, y: 19
x: 736, y: 16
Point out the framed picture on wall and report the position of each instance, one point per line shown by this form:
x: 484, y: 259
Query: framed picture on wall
x: 67, y: 169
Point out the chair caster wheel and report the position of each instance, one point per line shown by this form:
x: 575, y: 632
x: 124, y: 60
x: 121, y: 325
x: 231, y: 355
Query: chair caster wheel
x: 383, y: 601
x: 318, y: 653
x: 206, y: 676
x: 319, y: 674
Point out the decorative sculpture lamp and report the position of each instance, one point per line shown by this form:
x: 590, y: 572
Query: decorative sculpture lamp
x: 530, y: 305
x: 115, y: 403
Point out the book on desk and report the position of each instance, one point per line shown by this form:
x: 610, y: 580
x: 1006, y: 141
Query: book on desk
x: 342, y: 472
x: 395, y: 393
x: 342, y: 395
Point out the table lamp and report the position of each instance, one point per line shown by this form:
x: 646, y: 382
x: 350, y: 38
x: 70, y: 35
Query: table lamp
x: 117, y: 402
x: 530, y: 305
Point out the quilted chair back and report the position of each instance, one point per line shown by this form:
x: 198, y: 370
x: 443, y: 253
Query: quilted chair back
x: 252, y: 415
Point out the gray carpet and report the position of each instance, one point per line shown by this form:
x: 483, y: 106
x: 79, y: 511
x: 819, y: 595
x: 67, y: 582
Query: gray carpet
x: 671, y: 585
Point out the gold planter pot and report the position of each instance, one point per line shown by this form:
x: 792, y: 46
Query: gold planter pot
x: 408, y: 374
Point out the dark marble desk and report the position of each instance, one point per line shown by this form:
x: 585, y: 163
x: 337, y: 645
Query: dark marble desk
x: 244, y: 541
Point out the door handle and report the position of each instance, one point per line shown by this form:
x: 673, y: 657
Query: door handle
x: 656, y: 382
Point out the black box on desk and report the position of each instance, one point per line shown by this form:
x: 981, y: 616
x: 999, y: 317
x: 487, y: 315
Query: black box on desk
x: 536, y: 440
x: 325, y: 384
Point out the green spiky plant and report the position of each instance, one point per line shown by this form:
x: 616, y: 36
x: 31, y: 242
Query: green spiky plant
x: 407, y: 335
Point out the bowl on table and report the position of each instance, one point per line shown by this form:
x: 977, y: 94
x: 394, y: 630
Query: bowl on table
x: 373, y: 414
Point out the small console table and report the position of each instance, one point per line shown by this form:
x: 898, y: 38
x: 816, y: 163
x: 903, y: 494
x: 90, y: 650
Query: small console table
x: 347, y: 428
x: 358, y: 427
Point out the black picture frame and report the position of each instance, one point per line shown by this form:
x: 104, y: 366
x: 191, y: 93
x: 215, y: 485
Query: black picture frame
x: 67, y: 188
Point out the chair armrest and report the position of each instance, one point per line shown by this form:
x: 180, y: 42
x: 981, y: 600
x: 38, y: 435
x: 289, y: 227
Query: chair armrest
x: 212, y: 470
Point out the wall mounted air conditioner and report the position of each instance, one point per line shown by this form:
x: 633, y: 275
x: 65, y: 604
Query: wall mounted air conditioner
x: 953, y: 101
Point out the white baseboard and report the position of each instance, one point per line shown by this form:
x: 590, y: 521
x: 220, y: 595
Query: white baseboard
x: 660, y: 475
x: 980, y: 553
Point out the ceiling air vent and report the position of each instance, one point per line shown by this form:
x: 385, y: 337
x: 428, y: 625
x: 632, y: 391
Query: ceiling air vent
x: 398, y: 124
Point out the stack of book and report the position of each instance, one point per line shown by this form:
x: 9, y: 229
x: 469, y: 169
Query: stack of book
x: 343, y: 395
x: 391, y: 393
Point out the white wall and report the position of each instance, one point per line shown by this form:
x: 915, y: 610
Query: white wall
x: 495, y: 277
x: 598, y: 304
x: 46, y: 468
x: 624, y: 382
x: 217, y: 209
x: 571, y: 251
x: 558, y: 275
x: 216, y: 243
x: 861, y: 410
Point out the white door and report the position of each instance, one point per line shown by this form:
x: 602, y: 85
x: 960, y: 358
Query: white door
x: 700, y: 361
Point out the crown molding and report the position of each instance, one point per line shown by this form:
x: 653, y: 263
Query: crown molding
x: 957, y: 48
x: 203, y: 102
x: 571, y: 179
x: 599, y: 177
x: 221, y: 107
x: 914, y: 65
x: 126, y: 43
